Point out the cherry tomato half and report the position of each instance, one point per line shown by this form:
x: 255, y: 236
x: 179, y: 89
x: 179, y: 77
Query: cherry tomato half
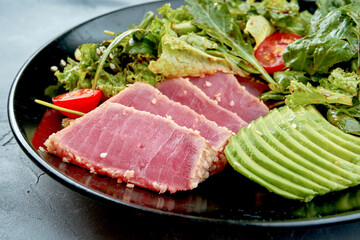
x: 270, y: 52
x: 82, y: 100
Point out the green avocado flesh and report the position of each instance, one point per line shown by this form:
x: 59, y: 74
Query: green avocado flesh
x: 296, y: 153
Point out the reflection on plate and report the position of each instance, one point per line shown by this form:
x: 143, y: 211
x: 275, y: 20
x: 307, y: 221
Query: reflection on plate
x: 225, y: 198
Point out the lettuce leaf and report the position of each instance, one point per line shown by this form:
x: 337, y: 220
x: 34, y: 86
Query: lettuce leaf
x: 342, y: 82
x: 179, y: 58
x: 302, y: 94
x: 260, y: 28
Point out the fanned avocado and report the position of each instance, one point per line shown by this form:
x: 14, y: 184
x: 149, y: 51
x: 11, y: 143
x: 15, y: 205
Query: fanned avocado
x: 296, y: 153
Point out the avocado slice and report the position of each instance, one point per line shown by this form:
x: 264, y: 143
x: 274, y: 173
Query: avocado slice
x: 234, y: 152
x: 334, y: 163
x: 304, y: 166
x: 290, y: 152
x: 333, y: 133
x: 274, y: 162
x: 291, y: 181
x: 261, y: 171
x: 344, y: 158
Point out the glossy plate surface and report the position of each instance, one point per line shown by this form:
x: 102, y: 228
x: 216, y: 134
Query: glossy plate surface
x: 225, y: 198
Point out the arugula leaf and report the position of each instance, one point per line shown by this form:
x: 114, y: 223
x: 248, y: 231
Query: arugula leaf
x: 326, y: 6
x: 283, y: 79
x: 215, y: 19
x: 335, y: 40
x: 298, y: 24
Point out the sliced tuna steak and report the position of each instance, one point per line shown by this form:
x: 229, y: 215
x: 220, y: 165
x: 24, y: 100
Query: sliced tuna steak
x: 226, y: 90
x: 253, y: 85
x: 136, y: 147
x: 144, y: 97
x: 183, y: 91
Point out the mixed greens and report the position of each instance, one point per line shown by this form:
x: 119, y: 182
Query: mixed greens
x: 206, y: 36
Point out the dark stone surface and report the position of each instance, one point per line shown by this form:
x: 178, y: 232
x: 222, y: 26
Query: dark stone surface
x: 34, y: 206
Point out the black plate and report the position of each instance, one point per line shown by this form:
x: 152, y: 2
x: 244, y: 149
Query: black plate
x: 225, y: 198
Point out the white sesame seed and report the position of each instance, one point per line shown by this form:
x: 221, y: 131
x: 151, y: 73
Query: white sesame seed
x: 232, y: 103
x: 98, y: 52
x: 103, y: 155
x: 41, y: 149
x: 129, y: 174
x: 259, y: 133
x: 77, y: 54
x: 111, y: 56
x: 208, y: 84
x: 193, y: 185
x: 153, y: 101
x: 130, y: 185
x: 294, y: 125
x: 62, y: 62
x: 217, y: 97
x: 249, y: 126
x: 112, y: 66
x: 54, y: 68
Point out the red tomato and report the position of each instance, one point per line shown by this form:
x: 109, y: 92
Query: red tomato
x: 270, y: 52
x: 82, y: 100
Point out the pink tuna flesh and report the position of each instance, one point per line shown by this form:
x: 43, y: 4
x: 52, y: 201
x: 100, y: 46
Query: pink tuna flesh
x: 144, y: 97
x: 253, y: 85
x: 226, y: 90
x: 135, y: 146
x: 183, y: 91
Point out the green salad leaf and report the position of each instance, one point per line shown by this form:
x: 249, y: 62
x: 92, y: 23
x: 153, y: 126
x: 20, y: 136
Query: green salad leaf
x: 284, y: 15
x: 180, y: 58
x: 334, y: 41
x: 345, y: 118
x: 215, y: 19
x: 302, y: 94
x: 339, y: 88
x: 260, y: 28
x: 342, y: 82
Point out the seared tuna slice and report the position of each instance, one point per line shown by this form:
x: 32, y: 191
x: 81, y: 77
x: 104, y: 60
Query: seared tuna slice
x: 136, y: 147
x: 144, y: 97
x: 253, y: 85
x: 227, y: 91
x: 183, y: 91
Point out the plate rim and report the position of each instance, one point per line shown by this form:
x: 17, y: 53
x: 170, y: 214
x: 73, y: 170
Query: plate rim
x: 102, y: 198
